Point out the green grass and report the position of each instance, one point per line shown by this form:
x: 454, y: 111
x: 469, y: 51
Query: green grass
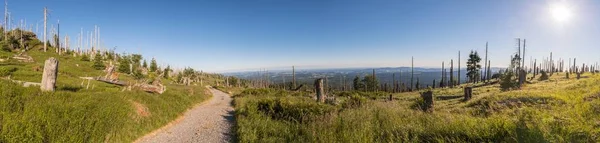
x: 556, y: 110
x: 74, y: 113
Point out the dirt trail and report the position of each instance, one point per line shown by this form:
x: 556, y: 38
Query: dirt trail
x: 209, y: 122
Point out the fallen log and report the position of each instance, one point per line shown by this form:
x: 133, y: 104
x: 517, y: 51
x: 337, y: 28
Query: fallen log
x: 115, y: 82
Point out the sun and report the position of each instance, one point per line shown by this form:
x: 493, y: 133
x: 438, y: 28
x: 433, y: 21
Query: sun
x: 561, y: 13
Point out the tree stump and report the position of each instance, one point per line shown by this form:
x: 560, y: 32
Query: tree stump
x: 579, y: 75
x: 391, y: 98
x: 427, y: 100
x: 468, y: 93
x: 319, y: 90
x: 49, y: 75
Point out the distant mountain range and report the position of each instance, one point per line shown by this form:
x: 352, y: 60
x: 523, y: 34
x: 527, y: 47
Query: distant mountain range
x: 336, y: 76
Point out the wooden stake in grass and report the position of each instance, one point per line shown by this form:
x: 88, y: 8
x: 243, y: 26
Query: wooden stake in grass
x: 50, y: 74
x: 319, y: 90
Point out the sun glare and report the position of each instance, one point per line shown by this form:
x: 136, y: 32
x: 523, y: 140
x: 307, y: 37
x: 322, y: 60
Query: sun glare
x: 560, y: 12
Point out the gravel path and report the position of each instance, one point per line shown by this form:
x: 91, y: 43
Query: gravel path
x: 209, y: 122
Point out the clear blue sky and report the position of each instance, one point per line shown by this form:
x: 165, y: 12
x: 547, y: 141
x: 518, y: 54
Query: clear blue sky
x: 225, y: 35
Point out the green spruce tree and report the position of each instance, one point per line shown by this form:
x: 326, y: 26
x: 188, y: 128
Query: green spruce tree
x: 473, y: 66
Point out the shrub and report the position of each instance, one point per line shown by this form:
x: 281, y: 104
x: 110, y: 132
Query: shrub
x: 293, y: 109
x: 354, y: 101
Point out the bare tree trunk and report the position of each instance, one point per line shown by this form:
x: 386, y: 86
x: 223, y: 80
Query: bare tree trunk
x: 319, y: 90
x: 468, y: 93
x: 50, y: 74
x: 293, y: 77
x: 452, y: 73
x: 45, y: 29
x: 412, y: 72
x: 485, y: 64
x: 458, y: 83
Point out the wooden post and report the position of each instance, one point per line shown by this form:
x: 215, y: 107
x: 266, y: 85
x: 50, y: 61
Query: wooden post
x: 468, y: 93
x: 319, y: 90
x: 428, y: 101
x: 50, y: 74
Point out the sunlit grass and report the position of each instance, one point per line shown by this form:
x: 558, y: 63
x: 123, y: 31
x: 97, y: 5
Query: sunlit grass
x: 554, y: 110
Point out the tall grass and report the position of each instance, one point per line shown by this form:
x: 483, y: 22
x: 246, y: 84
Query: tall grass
x: 545, y: 111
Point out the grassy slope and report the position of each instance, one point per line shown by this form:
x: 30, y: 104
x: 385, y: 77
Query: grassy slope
x: 557, y: 110
x: 76, y: 114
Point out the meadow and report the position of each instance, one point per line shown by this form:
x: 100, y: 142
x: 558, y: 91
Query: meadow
x: 554, y: 110
x: 76, y: 112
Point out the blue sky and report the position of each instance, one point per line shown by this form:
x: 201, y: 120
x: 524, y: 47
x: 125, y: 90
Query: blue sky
x: 229, y: 35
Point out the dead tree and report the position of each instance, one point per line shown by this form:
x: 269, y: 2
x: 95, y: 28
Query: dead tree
x: 458, y: 83
x: 412, y: 72
x: 551, y: 65
x: 485, y: 69
x: 293, y: 77
x: 319, y: 90
x: 427, y: 101
x: 50, y: 74
x: 468, y: 93
x: 451, y: 73
x: 489, y: 69
x: 45, y: 28
x: 394, y: 82
x: 443, y: 81
x: 523, y: 63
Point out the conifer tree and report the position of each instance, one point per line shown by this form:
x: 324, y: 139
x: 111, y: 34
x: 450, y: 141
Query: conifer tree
x: 145, y: 65
x: 153, y: 66
x: 98, y: 64
x: 473, y: 66
x: 166, y: 72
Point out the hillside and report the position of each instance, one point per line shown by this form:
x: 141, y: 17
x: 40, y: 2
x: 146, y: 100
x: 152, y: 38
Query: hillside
x: 554, y: 110
x: 82, y: 110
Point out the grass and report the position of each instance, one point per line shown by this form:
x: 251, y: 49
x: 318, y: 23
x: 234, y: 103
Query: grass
x: 554, y: 110
x: 76, y: 113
